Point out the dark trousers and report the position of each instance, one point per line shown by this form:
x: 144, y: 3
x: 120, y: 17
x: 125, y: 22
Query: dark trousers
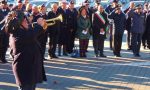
x: 70, y: 44
x: 99, y: 45
x: 145, y: 39
x: 52, y: 44
x: 4, y: 40
x: 148, y: 39
x: 27, y: 87
x: 83, y: 43
x: 117, y: 43
x: 128, y: 39
x: 111, y: 36
x: 43, y: 40
x: 136, y: 42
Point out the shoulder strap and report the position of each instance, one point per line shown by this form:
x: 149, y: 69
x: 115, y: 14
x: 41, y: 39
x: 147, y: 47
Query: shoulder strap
x: 100, y: 17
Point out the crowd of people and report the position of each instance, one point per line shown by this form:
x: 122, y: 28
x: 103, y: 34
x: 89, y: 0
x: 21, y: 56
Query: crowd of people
x: 25, y: 31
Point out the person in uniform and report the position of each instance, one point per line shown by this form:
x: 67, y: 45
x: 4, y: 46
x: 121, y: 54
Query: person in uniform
x: 109, y: 9
x: 42, y: 38
x: 147, y: 27
x: 128, y: 25
x: 137, y: 29
x: 100, y: 23
x: 83, y: 30
x: 27, y: 62
x: 144, y: 37
x: 118, y: 29
x: 4, y: 37
x: 72, y: 26
x: 36, y: 14
x: 97, y: 3
x: 19, y: 6
x: 63, y: 35
x: 53, y: 31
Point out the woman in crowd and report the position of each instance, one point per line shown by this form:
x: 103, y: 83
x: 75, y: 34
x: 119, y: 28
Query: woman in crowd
x: 83, y: 33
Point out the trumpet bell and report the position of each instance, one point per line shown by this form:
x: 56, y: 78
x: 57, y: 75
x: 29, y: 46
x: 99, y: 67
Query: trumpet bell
x: 57, y: 18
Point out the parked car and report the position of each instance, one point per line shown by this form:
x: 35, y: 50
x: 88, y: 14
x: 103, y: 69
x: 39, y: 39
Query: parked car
x: 47, y: 3
x: 11, y: 2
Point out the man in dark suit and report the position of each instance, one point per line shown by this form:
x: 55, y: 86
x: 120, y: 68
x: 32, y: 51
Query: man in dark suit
x: 100, y: 22
x: 72, y: 26
x: 4, y: 38
x: 63, y: 35
x: 53, y: 32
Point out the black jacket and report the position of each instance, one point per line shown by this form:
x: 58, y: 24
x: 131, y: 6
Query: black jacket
x: 119, y: 22
x: 98, y: 24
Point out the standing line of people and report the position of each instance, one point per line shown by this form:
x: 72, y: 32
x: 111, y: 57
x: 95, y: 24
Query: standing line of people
x: 82, y: 25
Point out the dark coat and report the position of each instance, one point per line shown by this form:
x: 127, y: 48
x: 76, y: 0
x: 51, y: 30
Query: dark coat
x: 109, y: 9
x: 148, y: 29
x: 137, y: 22
x: 97, y: 25
x: 89, y: 13
x: 72, y: 19
x: 43, y: 36
x: 27, y: 58
x: 119, y: 22
x: 63, y: 35
x: 3, y: 13
x: 36, y: 16
x: 54, y: 29
x: 128, y: 21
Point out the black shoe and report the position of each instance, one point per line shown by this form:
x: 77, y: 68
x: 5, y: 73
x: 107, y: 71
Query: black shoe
x: 144, y: 47
x: 137, y: 55
x: 118, y: 55
x: 4, y: 61
x: 55, y: 56
x: 65, y: 54
x: 102, y: 55
x: 44, y: 59
x: 84, y: 55
x: 129, y: 49
x: 96, y: 55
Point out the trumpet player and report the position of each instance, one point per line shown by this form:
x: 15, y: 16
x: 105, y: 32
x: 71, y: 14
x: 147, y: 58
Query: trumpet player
x: 4, y: 10
x: 27, y: 64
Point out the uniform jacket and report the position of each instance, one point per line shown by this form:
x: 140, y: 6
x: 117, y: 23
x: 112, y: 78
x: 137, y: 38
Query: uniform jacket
x: 3, y: 13
x: 72, y: 19
x: 137, y: 22
x: 54, y: 29
x: 119, y: 22
x: 148, y: 26
x: 63, y: 35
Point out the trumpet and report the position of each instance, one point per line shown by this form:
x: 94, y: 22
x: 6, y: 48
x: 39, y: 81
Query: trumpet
x: 51, y: 22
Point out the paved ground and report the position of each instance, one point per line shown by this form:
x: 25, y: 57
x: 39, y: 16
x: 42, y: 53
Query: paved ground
x: 111, y: 73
